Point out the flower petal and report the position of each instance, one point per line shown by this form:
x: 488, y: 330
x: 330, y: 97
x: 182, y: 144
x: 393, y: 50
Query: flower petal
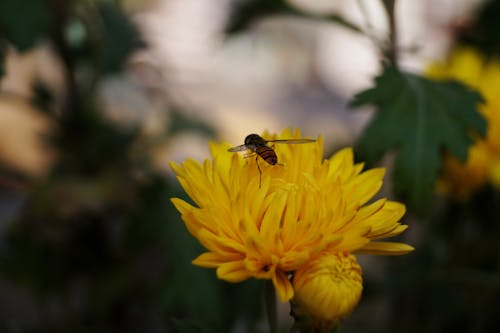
x: 233, y: 271
x: 214, y: 259
x: 364, y: 186
x: 283, y: 286
x: 182, y: 206
x: 385, y: 248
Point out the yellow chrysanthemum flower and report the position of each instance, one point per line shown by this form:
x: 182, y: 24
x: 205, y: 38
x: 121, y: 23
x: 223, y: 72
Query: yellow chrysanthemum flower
x: 300, y: 211
x: 483, y: 162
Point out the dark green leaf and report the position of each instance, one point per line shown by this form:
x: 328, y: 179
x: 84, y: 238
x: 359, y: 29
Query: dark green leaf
x: 24, y: 22
x: 119, y: 38
x: 420, y: 118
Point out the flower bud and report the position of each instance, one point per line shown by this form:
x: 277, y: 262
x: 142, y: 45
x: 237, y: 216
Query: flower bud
x: 326, y: 290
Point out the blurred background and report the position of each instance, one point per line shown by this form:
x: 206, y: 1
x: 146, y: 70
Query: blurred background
x: 97, y: 96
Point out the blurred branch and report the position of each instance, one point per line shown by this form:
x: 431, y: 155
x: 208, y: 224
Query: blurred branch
x: 251, y: 11
x: 60, y: 10
x: 369, y: 26
x: 390, y: 50
x: 3, y: 50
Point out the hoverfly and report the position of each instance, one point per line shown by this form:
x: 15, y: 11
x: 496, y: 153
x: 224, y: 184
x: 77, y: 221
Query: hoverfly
x: 260, y: 147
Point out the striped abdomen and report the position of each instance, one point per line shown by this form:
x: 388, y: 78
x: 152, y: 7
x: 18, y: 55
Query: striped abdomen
x: 267, y: 154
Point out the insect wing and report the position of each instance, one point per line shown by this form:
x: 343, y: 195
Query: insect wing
x: 292, y: 141
x: 238, y: 148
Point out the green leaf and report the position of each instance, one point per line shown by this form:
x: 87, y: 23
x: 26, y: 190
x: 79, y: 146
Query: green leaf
x: 119, y: 38
x: 420, y: 119
x: 24, y: 22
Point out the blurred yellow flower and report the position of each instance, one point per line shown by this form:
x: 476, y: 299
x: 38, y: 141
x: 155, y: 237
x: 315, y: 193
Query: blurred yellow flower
x: 483, y: 162
x: 304, y: 211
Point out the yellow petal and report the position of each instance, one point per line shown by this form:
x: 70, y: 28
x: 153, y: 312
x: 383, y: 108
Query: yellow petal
x: 255, y: 266
x: 384, y: 222
x: 233, y: 271
x: 370, y: 209
x: 349, y: 243
x: 293, y: 259
x: 385, y: 248
x: 283, y: 286
x: 387, y: 234
x: 341, y: 164
x: 272, y: 219
x: 365, y: 185
x: 178, y: 170
x: 214, y: 259
x: 216, y: 243
x: 182, y: 206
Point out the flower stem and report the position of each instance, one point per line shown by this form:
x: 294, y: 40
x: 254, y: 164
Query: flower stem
x: 270, y: 299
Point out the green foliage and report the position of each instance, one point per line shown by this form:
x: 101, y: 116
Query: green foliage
x: 118, y: 38
x: 420, y: 119
x: 97, y: 40
x: 24, y: 31
x: 82, y: 132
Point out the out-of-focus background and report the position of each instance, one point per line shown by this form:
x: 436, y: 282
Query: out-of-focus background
x: 96, y: 97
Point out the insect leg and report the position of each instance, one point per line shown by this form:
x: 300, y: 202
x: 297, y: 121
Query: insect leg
x: 248, y: 155
x: 260, y: 172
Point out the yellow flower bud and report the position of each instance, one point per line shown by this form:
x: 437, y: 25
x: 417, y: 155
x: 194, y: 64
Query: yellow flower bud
x: 327, y: 290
